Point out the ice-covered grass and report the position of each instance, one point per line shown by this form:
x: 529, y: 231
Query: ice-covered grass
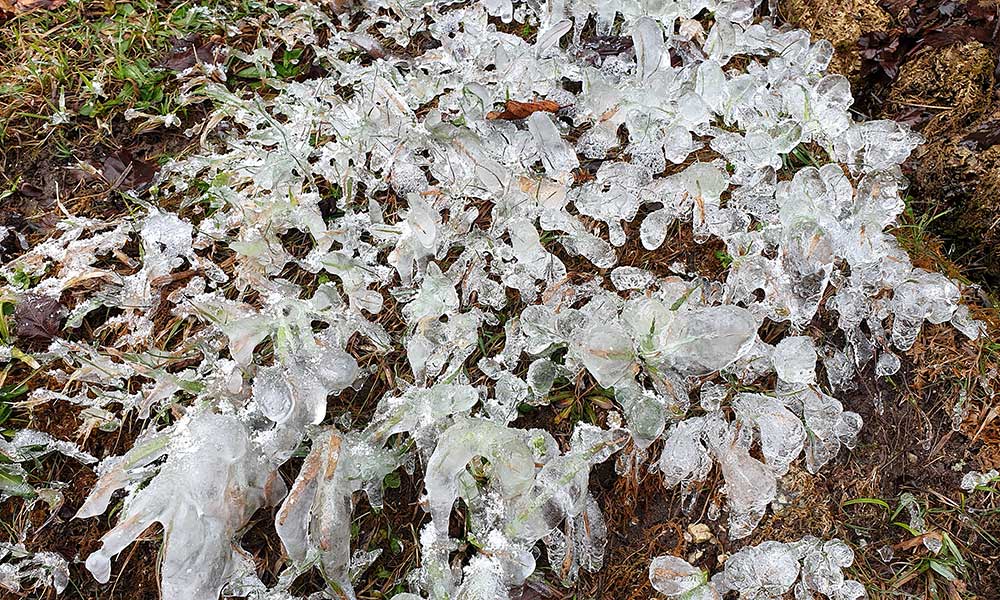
x: 410, y: 191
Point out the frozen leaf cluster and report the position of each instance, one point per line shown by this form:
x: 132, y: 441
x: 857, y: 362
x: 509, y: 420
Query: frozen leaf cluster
x: 975, y: 479
x: 22, y: 571
x: 26, y: 446
x: 807, y: 568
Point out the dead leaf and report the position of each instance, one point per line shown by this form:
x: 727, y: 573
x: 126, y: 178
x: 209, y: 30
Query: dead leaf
x: 123, y: 170
x: 38, y: 318
x: 583, y: 176
x: 22, y: 6
x: 984, y: 137
x: 514, y: 110
x: 188, y: 51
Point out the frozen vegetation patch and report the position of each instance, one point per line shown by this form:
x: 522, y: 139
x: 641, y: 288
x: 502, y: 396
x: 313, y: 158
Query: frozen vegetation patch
x: 808, y: 568
x: 424, y: 205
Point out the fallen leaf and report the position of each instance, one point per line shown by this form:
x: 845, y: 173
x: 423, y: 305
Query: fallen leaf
x: 188, y: 51
x: 983, y: 137
x: 121, y: 169
x: 38, y: 318
x: 515, y: 110
x: 23, y: 6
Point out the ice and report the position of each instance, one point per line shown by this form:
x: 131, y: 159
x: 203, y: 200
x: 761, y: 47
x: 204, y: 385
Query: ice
x: 675, y: 578
x: 28, y: 446
x: 712, y: 395
x: 781, y: 433
x: 795, y: 360
x: 423, y: 413
x: 767, y: 571
x: 542, y: 374
x: 417, y: 238
x: 206, y: 491
x: 532, y: 491
x: 964, y: 322
x: 828, y: 424
x: 750, y: 484
x: 607, y: 351
x: 703, y: 340
x: 887, y: 364
x: 514, y: 462
x: 437, y: 296
x: 316, y: 515
x: 558, y: 157
x: 531, y: 255
x: 923, y: 295
x: 975, y: 479
x: 23, y: 571
x: 685, y: 455
x: 376, y: 212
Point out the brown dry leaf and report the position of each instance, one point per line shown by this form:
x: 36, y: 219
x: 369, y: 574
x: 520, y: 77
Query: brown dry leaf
x: 514, y: 110
x: 23, y: 6
x: 917, y: 541
x: 188, y: 51
x: 121, y: 169
x: 38, y: 318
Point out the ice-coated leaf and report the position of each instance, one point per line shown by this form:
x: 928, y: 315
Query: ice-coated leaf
x: 22, y: 571
x: 675, y: 578
x: 781, y: 433
x: 767, y: 571
x: 795, y: 360
x: 707, y: 339
x: 204, y: 493
x: 607, y: 352
x: 558, y: 157
x: 316, y: 515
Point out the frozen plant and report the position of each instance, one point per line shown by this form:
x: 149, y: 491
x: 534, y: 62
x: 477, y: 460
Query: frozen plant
x: 532, y: 493
x: 975, y: 479
x: 22, y: 571
x: 29, y: 445
x: 807, y: 568
x: 469, y: 225
x: 210, y: 485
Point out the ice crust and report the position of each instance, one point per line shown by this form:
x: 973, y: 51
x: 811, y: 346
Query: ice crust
x: 501, y: 255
